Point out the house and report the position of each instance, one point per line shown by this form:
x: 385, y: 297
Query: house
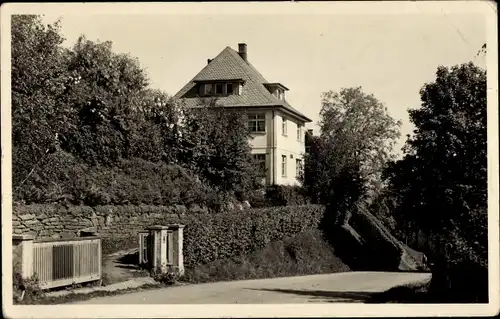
x: 277, y: 128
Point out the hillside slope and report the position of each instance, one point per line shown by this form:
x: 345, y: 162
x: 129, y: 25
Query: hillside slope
x: 364, y: 243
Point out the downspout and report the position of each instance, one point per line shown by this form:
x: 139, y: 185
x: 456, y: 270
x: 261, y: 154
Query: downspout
x: 273, y: 148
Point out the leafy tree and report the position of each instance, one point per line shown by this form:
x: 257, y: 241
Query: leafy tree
x: 215, y: 144
x: 441, y: 183
x: 158, y: 131
x: 346, y: 160
x: 39, y: 82
x: 106, y: 98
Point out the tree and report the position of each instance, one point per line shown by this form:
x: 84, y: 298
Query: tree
x: 157, y: 135
x: 441, y: 183
x: 39, y: 83
x: 107, y: 98
x: 346, y: 160
x: 215, y: 144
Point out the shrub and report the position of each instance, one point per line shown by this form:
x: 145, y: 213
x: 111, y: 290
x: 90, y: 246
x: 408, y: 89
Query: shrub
x: 305, y: 253
x: 284, y: 195
x: 165, y: 278
x: 459, y: 269
x: 61, y: 178
x: 26, y: 290
x: 209, y: 237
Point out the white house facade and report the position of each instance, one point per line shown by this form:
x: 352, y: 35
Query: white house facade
x: 278, y: 129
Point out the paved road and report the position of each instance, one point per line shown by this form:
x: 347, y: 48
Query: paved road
x: 339, y: 287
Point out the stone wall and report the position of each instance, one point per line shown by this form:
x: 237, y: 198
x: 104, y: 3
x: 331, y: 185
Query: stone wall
x: 56, y: 221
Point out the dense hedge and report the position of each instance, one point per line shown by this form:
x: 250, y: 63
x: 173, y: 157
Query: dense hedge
x: 61, y: 178
x: 207, y: 236
x: 286, y: 195
x: 224, y: 235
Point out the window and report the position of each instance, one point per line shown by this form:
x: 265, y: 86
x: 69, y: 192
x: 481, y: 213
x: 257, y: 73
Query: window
x: 283, y: 165
x: 299, y: 132
x: 281, y: 94
x: 208, y: 89
x: 257, y: 122
x: 218, y: 89
x: 298, y: 167
x: 283, y: 126
x: 229, y: 88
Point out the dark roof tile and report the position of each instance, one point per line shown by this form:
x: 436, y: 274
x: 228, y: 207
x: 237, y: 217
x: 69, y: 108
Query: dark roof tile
x: 228, y: 65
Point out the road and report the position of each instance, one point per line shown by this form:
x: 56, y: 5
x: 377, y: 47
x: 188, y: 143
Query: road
x: 339, y: 287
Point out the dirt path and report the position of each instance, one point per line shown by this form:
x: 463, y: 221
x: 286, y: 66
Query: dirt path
x: 121, y: 266
x: 339, y: 287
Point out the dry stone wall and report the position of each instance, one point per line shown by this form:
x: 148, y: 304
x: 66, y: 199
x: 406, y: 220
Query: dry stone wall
x: 55, y: 221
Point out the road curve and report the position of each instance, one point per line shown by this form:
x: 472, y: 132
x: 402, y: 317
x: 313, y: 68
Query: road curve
x: 338, y: 287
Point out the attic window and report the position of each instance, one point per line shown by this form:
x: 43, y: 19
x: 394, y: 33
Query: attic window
x: 229, y: 88
x: 208, y: 89
x: 281, y: 94
x: 219, y: 89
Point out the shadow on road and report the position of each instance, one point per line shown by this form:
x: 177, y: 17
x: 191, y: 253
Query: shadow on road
x: 333, y: 296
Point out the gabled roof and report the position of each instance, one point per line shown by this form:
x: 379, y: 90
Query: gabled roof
x: 229, y: 65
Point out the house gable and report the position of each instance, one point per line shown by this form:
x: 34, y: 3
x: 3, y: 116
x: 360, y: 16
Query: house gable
x: 248, y: 87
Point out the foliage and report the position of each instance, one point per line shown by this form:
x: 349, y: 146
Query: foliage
x: 39, y: 83
x: 26, y: 290
x: 136, y: 181
x: 344, y: 163
x: 440, y: 186
x: 216, y: 146
x: 257, y: 198
x: 208, y: 237
x: 305, y: 253
x: 166, y: 278
x: 99, y: 135
x: 284, y: 195
x: 104, y: 101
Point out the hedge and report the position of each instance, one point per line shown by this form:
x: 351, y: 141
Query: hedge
x: 209, y: 237
x: 286, y: 195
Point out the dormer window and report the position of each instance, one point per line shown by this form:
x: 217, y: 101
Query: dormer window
x: 208, y: 89
x: 220, y: 88
x: 277, y: 89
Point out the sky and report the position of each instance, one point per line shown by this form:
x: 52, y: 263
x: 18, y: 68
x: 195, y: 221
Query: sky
x: 390, y: 56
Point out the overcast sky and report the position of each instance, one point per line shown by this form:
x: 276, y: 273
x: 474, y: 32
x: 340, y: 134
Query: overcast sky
x: 391, y: 56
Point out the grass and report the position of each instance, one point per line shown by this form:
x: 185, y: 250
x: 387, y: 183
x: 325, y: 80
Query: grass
x: 304, y: 254
x: 76, y: 297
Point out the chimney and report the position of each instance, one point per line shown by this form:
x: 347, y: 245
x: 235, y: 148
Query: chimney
x: 209, y: 60
x: 242, y: 51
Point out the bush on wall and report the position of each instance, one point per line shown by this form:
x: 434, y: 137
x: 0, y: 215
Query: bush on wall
x: 62, y: 179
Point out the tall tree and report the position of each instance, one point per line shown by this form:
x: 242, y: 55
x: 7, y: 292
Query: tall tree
x: 346, y: 160
x: 441, y: 183
x: 216, y: 145
x: 39, y: 82
x: 106, y: 98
